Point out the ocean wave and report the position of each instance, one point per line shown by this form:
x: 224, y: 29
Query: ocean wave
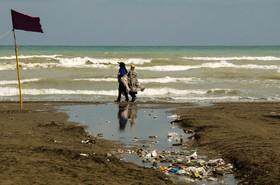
x: 162, y: 94
x: 96, y: 79
x: 29, y: 56
x: 165, y: 79
x: 192, y: 92
x: 4, y: 67
x: 82, y: 61
x: 11, y: 91
x: 106, y: 63
x: 76, y: 62
x: 221, y: 64
x: 13, y: 82
x: 261, y: 58
x: 224, y: 91
x: 168, y: 79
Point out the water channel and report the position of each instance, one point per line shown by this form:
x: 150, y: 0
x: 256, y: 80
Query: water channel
x: 135, y: 126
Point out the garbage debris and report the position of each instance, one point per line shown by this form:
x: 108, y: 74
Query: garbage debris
x: 172, y: 135
x: 152, y: 154
x: 135, y: 139
x: 89, y: 140
x: 217, y: 161
x: 153, y: 137
x: 85, y: 155
x: 184, y: 163
x: 194, y: 155
x: 55, y: 141
x: 174, y: 116
x: 100, y: 135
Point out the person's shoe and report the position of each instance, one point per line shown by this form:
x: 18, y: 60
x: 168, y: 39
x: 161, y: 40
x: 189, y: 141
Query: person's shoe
x: 117, y: 100
x: 133, y: 100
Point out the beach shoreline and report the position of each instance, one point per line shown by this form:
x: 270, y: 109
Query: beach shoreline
x: 40, y: 145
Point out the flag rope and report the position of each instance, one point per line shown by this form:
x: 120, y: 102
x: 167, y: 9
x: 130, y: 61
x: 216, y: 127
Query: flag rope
x: 5, y: 34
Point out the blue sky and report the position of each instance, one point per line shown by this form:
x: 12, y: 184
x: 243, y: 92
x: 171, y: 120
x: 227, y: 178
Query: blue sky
x: 146, y: 22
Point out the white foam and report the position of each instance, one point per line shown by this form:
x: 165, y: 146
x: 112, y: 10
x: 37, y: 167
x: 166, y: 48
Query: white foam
x: 30, y: 56
x: 37, y: 65
x: 11, y: 91
x: 12, y: 82
x: 221, y: 64
x: 75, y: 62
x: 262, y: 58
x: 166, y: 92
x: 82, y: 61
x: 4, y: 67
x: 165, y: 79
x: 96, y: 79
x: 168, y: 79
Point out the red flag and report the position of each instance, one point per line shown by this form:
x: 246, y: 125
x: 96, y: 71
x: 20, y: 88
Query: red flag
x: 26, y: 22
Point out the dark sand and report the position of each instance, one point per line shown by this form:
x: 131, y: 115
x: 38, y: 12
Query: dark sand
x: 39, y: 145
x: 244, y: 134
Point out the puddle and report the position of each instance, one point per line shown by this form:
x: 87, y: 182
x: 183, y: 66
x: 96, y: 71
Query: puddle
x: 137, y: 127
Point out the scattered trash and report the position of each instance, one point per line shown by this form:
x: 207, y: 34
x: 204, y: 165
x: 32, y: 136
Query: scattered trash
x: 152, y: 154
x: 217, y: 161
x: 100, y: 135
x: 174, y: 170
x: 212, y: 179
x: 174, y: 116
x: 172, y: 134
x: 108, y: 154
x: 135, y: 139
x: 85, y: 155
x: 184, y: 164
x: 194, y: 155
x: 188, y: 180
x: 139, y: 150
x: 55, y: 141
x: 153, y: 137
x: 89, y: 140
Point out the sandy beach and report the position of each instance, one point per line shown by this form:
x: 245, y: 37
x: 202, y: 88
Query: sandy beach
x: 40, y: 146
x: 244, y: 134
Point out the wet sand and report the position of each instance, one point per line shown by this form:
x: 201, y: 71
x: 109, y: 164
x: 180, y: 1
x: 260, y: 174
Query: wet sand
x: 39, y: 145
x: 244, y: 134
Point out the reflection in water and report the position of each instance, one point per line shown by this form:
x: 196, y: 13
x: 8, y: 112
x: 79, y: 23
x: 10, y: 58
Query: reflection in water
x: 127, y: 112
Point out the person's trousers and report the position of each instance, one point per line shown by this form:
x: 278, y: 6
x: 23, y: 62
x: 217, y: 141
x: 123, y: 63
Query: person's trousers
x: 122, y: 90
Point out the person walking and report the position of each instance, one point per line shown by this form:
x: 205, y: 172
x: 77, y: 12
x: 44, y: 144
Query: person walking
x: 133, y: 83
x: 123, y: 83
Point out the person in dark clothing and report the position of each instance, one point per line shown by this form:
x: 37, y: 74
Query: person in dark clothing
x: 123, y: 82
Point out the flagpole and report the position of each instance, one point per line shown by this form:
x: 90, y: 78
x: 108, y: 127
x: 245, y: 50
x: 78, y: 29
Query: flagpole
x: 16, y: 51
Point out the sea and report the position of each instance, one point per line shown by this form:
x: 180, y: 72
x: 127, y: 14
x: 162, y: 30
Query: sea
x: 169, y: 73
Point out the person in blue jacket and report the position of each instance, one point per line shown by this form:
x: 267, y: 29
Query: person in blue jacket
x: 122, y: 84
